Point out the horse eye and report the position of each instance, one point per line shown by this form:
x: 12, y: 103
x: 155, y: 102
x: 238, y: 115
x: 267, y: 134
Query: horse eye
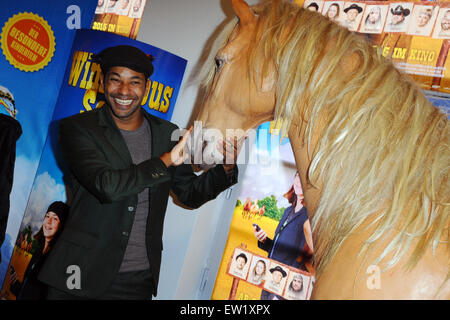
x: 219, y: 63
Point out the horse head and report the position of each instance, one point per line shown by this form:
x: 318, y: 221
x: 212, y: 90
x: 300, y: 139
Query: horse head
x: 240, y: 91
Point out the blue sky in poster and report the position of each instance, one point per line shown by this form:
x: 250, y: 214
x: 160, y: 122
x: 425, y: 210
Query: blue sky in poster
x: 35, y: 94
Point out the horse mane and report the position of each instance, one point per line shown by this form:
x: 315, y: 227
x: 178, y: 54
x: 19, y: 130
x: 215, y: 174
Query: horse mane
x: 383, y: 154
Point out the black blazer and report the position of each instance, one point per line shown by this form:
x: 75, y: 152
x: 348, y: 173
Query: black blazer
x: 105, y: 188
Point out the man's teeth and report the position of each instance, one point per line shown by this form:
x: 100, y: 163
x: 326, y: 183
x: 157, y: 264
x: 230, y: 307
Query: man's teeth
x: 123, y: 102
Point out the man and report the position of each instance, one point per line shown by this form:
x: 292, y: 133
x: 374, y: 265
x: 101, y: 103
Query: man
x: 398, y: 15
x: 123, y: 165
x: 352, y: 13
x: 445, y: 24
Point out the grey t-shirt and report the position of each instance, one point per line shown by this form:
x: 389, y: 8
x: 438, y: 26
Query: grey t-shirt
x: 135, y: 258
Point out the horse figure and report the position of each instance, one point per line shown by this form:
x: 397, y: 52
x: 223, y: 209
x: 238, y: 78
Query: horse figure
x: 372, y: 152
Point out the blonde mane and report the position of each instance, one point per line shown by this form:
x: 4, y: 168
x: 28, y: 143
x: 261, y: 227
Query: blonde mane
x: 383, y: 154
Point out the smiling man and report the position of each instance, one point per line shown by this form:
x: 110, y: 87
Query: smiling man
x: 123, y: 165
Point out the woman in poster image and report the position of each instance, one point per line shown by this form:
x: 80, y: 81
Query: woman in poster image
x: 31, y: 288
x: 258, y: 272
x: 424, y: 21
x: 333, y: 12
x: 291, y: 235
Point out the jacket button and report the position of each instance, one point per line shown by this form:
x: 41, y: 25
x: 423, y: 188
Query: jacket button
x: 126, y: 234
x: 130, y: 209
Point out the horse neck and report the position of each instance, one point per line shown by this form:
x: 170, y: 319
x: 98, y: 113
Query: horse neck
x: 303, y: 160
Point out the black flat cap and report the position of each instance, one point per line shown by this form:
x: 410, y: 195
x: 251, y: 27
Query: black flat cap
x: 125, y: 56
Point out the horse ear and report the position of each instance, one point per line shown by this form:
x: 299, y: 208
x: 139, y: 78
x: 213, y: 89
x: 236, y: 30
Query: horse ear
x: 243, y: 11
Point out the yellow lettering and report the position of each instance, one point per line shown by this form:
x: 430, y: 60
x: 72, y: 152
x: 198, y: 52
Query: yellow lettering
x: 154, y: 103
x: 79, y: 59
x: 399, y: 53
x: 385, y: 51
x: 168, y: 91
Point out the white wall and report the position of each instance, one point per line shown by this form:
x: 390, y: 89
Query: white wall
x: 193, y: 239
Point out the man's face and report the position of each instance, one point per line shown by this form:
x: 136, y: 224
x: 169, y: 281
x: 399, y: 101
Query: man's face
x: 240, y: 263
x: 397, y: 18
x: 124, y: 91
x: 445, y: 23
x: 277, y: 276
x: 352, y: 14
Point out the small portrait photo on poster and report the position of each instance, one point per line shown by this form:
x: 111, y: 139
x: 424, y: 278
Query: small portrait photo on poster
x: 422, y: 21
x: 101, y: 6
x: 124, y: 7
x: 137, y: 9
x: 297, y: 287
x: 442, y: 27
x: 112, y: 6
x: 240, y: 263
x: 313, y: 5
x: 352, y: 15
x: 333, y: 10
x: 398, y: 17
x: 374, y: 18
x: 277, y: 278
x: 258, y: 270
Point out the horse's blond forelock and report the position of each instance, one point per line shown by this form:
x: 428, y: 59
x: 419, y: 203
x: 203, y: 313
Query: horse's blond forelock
x: 383, y: 154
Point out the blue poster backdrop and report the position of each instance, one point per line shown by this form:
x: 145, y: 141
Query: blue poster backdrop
x: 35, y: 93
x: 80, y: 91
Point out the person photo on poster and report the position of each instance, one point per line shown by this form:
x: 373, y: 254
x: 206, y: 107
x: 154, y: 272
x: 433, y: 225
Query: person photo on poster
x: 398, y: 17
x: 30, y: 288
x: 112, y: 6
x: 258, y: 271
x: 277, y: 280
x: 124, y: 7
x: 137, y: 9
x: 297, y: 287
x: 375, y: 16
x: 240, y: 264
x: 291, y: 235
x: 101, y: 6
x: 352, y: 17
x: 442, y: 28
x: 332, y: 10
x: 423, y: 20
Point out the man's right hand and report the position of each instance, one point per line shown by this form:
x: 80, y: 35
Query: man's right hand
x: 177, y: 155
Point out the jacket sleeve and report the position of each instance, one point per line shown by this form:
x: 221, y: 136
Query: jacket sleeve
x: 89, y: 165
x: 193, y: 190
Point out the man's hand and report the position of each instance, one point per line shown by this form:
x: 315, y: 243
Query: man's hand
x: 230, y: 150
x: 177, y: 155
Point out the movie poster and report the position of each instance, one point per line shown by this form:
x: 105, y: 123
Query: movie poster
x: 279, y: 266
x: 121, y: 17
x: 36, y: 37
x: 80, y: 92
x: 414, y: 34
